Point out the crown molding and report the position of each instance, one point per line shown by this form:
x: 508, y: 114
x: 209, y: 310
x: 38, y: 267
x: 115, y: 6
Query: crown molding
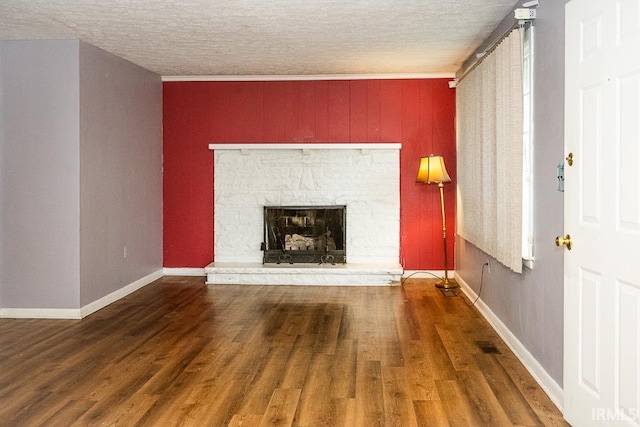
x: 290, y: 77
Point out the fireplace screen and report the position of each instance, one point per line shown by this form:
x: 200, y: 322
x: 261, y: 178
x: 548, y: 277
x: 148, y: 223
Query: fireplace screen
x: 308, y: 234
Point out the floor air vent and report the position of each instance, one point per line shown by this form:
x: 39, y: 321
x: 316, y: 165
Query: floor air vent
x: 487, y: 347
x: 448, y: 292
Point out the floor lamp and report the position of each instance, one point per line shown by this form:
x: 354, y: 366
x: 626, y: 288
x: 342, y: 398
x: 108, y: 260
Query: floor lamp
x: 433, y: 171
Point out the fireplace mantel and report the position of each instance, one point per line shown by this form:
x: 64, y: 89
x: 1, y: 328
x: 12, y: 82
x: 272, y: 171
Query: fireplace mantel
x: 308, y: 146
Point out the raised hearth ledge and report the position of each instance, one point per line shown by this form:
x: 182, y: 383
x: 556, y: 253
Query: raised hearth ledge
x: 239, y: 273
x: 309, y: 146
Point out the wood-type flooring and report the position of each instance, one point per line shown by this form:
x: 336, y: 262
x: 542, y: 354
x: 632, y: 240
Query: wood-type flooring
x: 181, y: 353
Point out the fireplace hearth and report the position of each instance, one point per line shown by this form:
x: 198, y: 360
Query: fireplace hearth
x: 304, y: 234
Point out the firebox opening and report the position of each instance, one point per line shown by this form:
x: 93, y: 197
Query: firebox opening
x: 304, y: 234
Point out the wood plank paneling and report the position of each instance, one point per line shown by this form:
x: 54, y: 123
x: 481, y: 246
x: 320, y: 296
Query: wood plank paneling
x: 188, y: 175
x: 374, y: 111
x: 358, y: 106
x: 322, y: 111
x: 338, y: 119
x: 417, y: 113
x: 275, y: 105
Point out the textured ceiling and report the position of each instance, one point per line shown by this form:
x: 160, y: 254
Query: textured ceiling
x: 266, y: 37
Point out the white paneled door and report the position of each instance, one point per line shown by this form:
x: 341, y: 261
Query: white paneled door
x: 602, y: 213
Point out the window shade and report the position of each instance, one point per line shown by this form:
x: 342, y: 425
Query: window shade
x: 489, y: 103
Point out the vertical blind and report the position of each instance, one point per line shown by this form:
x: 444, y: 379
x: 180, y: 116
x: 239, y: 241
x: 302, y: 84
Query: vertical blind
x: 489, y: 103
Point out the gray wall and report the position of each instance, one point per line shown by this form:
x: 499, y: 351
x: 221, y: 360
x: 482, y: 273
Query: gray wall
x: 81, y: 169
x: 1, y: 169
x: 40, y: 175
x: 531, y: 304
x: 120, y: 172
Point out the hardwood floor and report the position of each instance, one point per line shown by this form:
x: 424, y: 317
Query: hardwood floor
x: 178, y: 352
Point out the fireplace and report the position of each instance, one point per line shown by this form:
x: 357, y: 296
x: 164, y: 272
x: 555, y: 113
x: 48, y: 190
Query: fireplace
x: 304, y: 234
x: 309, y: 192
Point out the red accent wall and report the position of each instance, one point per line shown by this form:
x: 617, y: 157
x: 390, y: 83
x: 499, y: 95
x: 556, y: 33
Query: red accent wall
x: 418, y: 113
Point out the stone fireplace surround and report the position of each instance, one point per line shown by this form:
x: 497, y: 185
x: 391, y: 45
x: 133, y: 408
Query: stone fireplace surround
x: 364, y: 177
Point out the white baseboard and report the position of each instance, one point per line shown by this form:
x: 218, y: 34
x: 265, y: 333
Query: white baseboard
x: 72, y: 313
x: 120, y: 293
x: 184, y: 271
x: 546, y: 382
x: 40, y: 313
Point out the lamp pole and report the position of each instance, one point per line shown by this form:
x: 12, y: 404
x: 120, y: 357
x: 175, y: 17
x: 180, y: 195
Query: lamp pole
x: 446, y: 283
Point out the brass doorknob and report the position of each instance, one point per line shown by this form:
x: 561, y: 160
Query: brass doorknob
x: 566, y: 241
x: 569, y: 159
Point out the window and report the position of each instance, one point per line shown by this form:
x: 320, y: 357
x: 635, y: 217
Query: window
x: 527, y: 146
x: 491, y: 110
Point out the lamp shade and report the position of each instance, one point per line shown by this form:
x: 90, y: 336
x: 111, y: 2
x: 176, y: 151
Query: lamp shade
x: 432, y: 170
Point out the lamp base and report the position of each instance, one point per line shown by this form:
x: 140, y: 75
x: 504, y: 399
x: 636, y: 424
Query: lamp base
x: 447, y: 284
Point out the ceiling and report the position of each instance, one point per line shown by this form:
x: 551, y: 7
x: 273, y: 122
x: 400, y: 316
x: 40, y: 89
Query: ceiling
x: 266, y: 37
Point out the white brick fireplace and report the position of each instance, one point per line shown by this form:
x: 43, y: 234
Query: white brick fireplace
x: 364, y: 177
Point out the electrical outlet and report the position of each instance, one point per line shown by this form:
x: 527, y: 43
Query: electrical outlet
x: 488, y: 266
